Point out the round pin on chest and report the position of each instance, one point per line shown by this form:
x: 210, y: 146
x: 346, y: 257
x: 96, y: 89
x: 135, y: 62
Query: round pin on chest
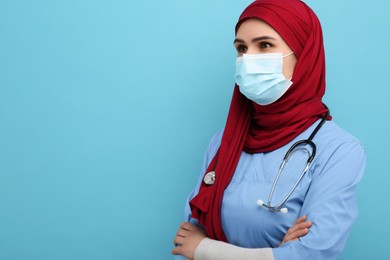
x: 209, y: 178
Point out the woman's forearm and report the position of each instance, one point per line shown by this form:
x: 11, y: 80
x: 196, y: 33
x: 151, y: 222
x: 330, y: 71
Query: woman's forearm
x: 210, y: 249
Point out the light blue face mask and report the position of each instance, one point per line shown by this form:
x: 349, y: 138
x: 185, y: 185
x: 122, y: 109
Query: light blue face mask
x: 260, y: 77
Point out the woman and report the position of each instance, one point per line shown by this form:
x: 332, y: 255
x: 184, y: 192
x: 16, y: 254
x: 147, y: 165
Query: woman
x: 277, y: 101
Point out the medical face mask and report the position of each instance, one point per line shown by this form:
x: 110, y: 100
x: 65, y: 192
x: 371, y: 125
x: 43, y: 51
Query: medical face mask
x: 260, y: 77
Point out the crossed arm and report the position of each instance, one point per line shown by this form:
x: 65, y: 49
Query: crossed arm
x: 190, y: 236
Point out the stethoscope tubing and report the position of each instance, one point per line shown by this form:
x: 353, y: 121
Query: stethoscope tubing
x: 294, y: 147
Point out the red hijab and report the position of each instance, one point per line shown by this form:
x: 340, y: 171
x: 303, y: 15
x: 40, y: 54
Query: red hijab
x: 255, y: 128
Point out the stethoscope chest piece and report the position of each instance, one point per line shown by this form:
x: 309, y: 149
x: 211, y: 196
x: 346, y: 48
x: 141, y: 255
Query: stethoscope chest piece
x: 209, y: 178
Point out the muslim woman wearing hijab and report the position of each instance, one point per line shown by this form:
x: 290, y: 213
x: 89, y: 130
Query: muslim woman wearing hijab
x: 244, y: 206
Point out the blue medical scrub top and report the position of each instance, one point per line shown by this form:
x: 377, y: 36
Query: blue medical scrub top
x: 326, y: 195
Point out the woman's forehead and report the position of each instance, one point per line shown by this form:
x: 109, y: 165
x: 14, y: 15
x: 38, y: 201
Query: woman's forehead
x: 256, y: 27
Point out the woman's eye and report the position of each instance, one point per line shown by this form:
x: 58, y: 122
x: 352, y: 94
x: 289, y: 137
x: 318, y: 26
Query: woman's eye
x: 265, y: 45
x: 241, y: 48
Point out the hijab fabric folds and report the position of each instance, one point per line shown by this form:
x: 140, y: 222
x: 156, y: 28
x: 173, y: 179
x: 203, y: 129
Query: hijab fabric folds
x: 254, y: 128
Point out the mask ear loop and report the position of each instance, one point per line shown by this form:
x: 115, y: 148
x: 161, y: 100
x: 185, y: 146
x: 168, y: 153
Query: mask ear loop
x: 284, y: 56
x: 288, y: 54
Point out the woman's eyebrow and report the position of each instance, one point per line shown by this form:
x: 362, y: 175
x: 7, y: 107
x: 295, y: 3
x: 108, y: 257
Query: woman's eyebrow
x: 238, y: 40
x: 261, y: 38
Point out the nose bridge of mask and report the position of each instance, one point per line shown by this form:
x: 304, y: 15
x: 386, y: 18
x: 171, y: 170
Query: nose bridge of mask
x: 261, y: 63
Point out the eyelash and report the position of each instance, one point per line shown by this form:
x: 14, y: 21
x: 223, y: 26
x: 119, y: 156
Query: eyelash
x: 262, y: 45
x: 240, y: 48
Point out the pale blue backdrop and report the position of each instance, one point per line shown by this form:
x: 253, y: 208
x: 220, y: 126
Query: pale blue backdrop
x: 106, y: 108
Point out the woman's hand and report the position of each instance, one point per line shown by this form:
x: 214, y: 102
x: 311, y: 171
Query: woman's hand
x: 299, y: 229
x: 187, y: 240
x: 189, y: 236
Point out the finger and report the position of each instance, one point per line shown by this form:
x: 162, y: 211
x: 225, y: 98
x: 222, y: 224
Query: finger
x: 297, y: 234
x: 178, y: 240
x: 299, y: 226
x: 297, y: 231
x: 177, y: 250
x: 300, y: 220
x: 187, y: 226
x: 285, y: 239
x: 182, y: 233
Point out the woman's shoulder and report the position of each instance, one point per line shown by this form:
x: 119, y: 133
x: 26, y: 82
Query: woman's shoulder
x: 336, y: 144
x: 335, y: 135
x: 330, y: 137
x: 215, y: 142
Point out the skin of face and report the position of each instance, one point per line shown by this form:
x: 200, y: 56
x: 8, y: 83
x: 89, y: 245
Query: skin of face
x: 254, y: 36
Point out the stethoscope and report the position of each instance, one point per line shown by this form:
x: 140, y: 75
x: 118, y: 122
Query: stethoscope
x: 209, y: 178
x: 295, y: 147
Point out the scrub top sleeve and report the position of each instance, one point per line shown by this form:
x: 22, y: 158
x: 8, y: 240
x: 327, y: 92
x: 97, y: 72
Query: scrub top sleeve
x: 208, y: 156
x: 330, y: 203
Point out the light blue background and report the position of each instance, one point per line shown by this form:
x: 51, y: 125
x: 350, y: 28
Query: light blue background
x: 106, y: 108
